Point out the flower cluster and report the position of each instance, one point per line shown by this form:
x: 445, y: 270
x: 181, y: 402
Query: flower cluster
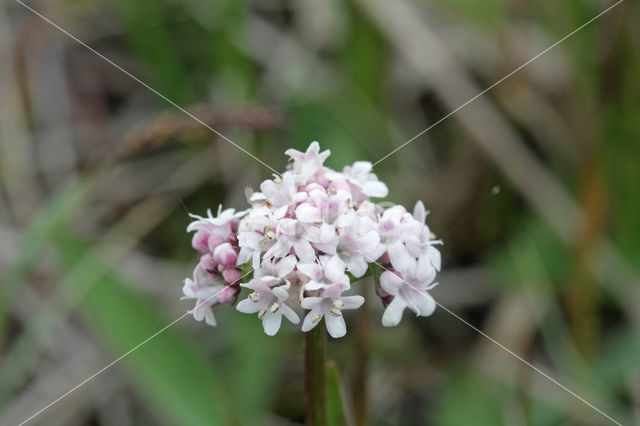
x: 310, y: 233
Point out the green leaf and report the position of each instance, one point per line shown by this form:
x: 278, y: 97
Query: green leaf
x: 335, y: 408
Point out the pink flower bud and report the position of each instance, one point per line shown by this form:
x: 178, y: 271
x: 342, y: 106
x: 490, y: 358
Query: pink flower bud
x: 225, y: 255
x: 228, y: 294
x: 208, y: 263
x: 199, y: 241
x: 232, y: 275
x: 214, y: 241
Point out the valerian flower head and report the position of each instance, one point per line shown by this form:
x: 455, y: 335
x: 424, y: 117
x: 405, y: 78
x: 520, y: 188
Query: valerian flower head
x: 310, y: 234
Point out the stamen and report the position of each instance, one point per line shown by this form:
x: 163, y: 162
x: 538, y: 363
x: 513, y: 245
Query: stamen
x: 338, y: 303
x: 315, y: 317
x: 335, y: 312
x: 254, y: 297
x: 262, y: 313
x: 274, y: 308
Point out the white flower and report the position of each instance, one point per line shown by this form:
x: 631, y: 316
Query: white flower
x: 329, y: 305
x: 204, y: 290
x: 395, y: 226
x: 270, y: 295
x: 290, y: 234
x: 364, y: 184
x: 212, y: 231
x: 327, y: 271
x: 407, y: 292
x: 308, y: 164
x: 303, y: 232
x: 257, y: 233
x: 282, y: 193
x: 421, y: 245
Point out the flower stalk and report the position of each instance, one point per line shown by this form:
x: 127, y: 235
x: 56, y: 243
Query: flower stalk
x: 315, y: 370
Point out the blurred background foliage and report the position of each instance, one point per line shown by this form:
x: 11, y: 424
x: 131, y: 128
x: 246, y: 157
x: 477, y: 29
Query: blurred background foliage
x: 533, y: 187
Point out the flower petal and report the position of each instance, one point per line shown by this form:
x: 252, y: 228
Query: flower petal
x: 310, y: 302
x: 290, y: 314
x: 209, y: 318
x: 400, y: 258
x: 357, y: 265
x: 308, y: 324
x: 420, y: 302
x: 393, y: 314
x: 374, y: 188
x: 285, y: 266
x: 271, y: 323
x: 335, y: 325
x: 352, y: 302
x: 304, y: 251
x: 334, y: 269
x: 246, y: 306
x: 419, y: 212
x: 390, y: 282
x: 308, y: 213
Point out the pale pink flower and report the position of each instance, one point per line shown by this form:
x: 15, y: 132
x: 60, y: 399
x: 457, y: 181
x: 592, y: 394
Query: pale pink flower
x: 270, y: 296
x: 211, y: 231
x: 407, y: 292
x: 304, y: 231
x: 329, y: 305
x: 204, y: 290
x: 257, y: 234
x: 308, y: 164
x: 395, y: 226
x: 291, y: 234
x: 421, y: 246
x: 327, y: 271
x: 364, y: 184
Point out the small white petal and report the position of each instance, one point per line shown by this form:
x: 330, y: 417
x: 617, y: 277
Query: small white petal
x: 419, y: 212
x: 209, y: 318
x: 352, y: 302
x: 393, y: 313
x: 308, y: 213
x: 421, y: 303
x: 246, y: 306
x: 390, y: 282
x: 334, y: 269
x: 304, y: 251
x: 310, y: 302
x: 271, y: 323
x: 285, y: 266
x: 400, y: 258
x: 308, y: 322
x: 357, y: 266
x: 375, y: 189
x: 290, y: 314
x: 335, y: 325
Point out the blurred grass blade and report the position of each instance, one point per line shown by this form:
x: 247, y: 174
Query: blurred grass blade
x: 38, y: 234
x: 335, y: 408
x: 170, y: 372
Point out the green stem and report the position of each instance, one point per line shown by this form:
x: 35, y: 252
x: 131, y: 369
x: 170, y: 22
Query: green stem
x: 315, y: 376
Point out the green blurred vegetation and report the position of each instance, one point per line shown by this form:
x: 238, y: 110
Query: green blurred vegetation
x: 329, y: 72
